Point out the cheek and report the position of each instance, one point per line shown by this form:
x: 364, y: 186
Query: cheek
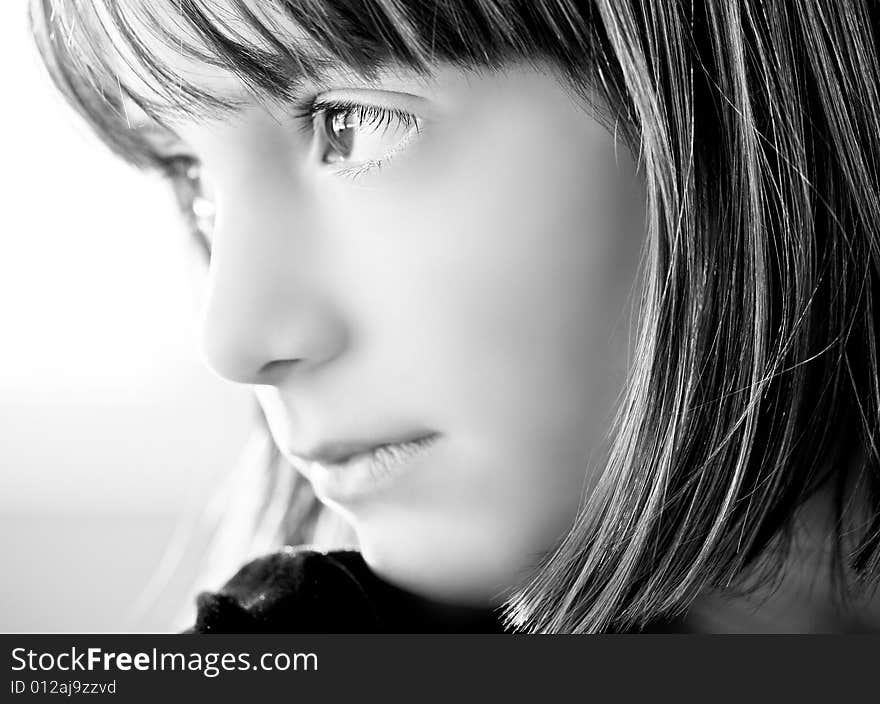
x: 501, y: 277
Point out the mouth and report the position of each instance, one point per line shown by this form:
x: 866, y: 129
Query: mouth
x: 346, y: 471
x: 341, y: 452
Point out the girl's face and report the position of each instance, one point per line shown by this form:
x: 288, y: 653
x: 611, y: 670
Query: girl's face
x: 451, y: 258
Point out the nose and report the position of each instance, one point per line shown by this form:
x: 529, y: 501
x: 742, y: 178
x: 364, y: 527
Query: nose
x: 266, y: 314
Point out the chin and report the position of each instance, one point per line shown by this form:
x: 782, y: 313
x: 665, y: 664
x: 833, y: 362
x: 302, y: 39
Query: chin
x: 445, y: 571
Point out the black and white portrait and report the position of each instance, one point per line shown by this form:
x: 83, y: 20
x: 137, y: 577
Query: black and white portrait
x: 485, y: 316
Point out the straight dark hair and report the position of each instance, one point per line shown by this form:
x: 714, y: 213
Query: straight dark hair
x: 755, y: 377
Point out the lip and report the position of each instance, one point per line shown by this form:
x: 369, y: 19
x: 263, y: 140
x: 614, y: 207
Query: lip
x: 346, y: 471
x: 340, y: 451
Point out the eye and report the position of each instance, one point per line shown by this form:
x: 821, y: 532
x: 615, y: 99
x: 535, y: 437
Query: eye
x: 355, y: 138
x: 193, y: 198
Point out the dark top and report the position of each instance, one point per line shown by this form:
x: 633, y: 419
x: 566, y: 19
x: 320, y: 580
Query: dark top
x: 300, y: 590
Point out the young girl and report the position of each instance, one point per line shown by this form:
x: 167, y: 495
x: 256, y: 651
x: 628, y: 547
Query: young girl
x: 567, y: 310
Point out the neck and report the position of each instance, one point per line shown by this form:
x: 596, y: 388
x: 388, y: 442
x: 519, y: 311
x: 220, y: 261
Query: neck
x: 805, y: 599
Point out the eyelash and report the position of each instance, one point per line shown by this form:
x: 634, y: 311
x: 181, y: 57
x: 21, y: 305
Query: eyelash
x: 308, y: 114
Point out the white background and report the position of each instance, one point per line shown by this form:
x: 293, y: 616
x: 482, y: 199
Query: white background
x: 111, y: 427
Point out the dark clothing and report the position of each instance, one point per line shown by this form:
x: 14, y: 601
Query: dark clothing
x: 299, y: 590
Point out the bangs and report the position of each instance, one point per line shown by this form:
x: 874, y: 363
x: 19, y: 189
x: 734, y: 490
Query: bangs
x: 165, y: 58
